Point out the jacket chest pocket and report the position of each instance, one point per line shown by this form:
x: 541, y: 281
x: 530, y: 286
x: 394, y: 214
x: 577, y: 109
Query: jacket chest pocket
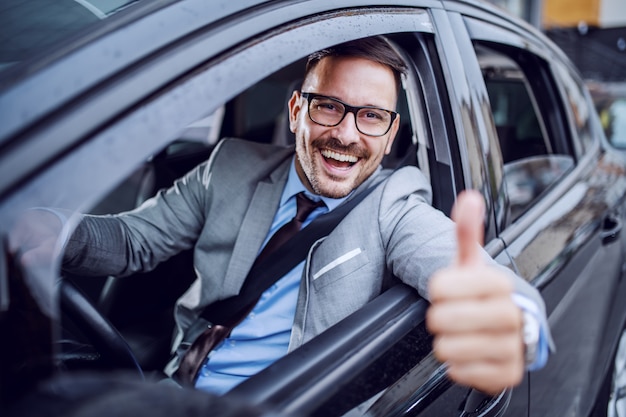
x: 327, y: 269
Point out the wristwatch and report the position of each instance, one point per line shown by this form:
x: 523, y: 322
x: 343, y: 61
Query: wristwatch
x: 530, y: 336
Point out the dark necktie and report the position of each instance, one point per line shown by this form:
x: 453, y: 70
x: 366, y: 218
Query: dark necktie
x: 198, y: 351
x: 304, y: 207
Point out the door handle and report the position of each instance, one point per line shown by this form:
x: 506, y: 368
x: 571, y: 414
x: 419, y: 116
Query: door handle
x: 611, y: 229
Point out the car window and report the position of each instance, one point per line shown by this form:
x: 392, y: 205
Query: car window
x: 532, y: 160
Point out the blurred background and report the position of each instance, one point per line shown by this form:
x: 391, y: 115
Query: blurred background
x: 593, y: 34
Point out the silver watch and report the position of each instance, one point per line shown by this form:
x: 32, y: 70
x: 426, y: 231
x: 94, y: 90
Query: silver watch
x: 530, y: 336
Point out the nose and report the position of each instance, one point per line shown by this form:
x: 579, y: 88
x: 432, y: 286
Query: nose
x: 346, y: 131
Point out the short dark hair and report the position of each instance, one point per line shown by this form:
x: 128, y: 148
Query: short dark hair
x: 375, y: 48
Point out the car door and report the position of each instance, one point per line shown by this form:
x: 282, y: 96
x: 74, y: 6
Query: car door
x: 562, y: 205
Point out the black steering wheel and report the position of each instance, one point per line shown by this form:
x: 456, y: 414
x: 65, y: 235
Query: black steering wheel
x: 113, y: 350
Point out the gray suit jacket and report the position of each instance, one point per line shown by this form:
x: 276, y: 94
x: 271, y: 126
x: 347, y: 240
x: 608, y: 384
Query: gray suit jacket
x: 224, y: 209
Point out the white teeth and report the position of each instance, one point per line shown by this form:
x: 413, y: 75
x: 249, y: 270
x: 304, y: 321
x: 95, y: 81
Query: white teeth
x: 339, y: 157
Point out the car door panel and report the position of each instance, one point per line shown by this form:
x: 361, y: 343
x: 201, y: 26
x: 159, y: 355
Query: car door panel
x: 577, y: 274
x: 577, y: 320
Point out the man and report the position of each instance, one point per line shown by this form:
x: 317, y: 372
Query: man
x: 344, y: 124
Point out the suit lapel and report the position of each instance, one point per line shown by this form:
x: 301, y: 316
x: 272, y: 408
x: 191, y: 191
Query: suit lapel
x: 255, y: 226
x: 257, y: 222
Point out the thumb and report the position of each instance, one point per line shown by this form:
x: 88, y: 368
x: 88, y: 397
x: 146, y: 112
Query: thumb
x: 468, y: 214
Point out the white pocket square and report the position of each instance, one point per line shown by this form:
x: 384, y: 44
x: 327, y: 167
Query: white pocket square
x: 342, y: 259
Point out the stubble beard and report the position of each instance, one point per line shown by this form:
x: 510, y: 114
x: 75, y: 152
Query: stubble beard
x: 325, y: 184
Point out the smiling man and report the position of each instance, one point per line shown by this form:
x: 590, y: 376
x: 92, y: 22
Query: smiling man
x: 230, y: 207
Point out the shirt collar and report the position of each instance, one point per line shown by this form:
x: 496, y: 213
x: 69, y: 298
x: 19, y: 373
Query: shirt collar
x: 295, y: 186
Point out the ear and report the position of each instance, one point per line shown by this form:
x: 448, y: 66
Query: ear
x: 295, y: 105
x: 392, y: 134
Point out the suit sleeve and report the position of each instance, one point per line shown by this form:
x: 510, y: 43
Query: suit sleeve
x: 138, y: 240
x: 418, y: 239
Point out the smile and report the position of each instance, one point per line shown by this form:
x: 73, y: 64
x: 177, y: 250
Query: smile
x: 339, y: 157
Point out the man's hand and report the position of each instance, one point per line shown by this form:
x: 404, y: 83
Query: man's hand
x: 34, y: 237
x: 476, y: 325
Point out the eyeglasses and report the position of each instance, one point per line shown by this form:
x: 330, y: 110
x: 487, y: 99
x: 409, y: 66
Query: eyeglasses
x: 329, y: 112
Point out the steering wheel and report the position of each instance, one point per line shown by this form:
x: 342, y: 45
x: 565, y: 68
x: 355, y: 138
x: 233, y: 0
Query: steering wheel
x: 104, y: 337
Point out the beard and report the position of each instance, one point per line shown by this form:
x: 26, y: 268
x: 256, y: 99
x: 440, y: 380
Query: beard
x: 324, y: 183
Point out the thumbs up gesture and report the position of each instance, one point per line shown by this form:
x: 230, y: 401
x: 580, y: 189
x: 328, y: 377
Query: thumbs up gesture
x: 476, y: 325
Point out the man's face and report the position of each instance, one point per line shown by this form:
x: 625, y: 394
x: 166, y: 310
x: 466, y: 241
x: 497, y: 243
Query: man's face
x: 332, y: 161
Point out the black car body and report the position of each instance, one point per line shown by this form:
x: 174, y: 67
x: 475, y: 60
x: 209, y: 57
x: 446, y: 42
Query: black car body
x: 100, y: 119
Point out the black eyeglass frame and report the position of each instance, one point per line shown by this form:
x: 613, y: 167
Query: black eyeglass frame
x: 309, y: 96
